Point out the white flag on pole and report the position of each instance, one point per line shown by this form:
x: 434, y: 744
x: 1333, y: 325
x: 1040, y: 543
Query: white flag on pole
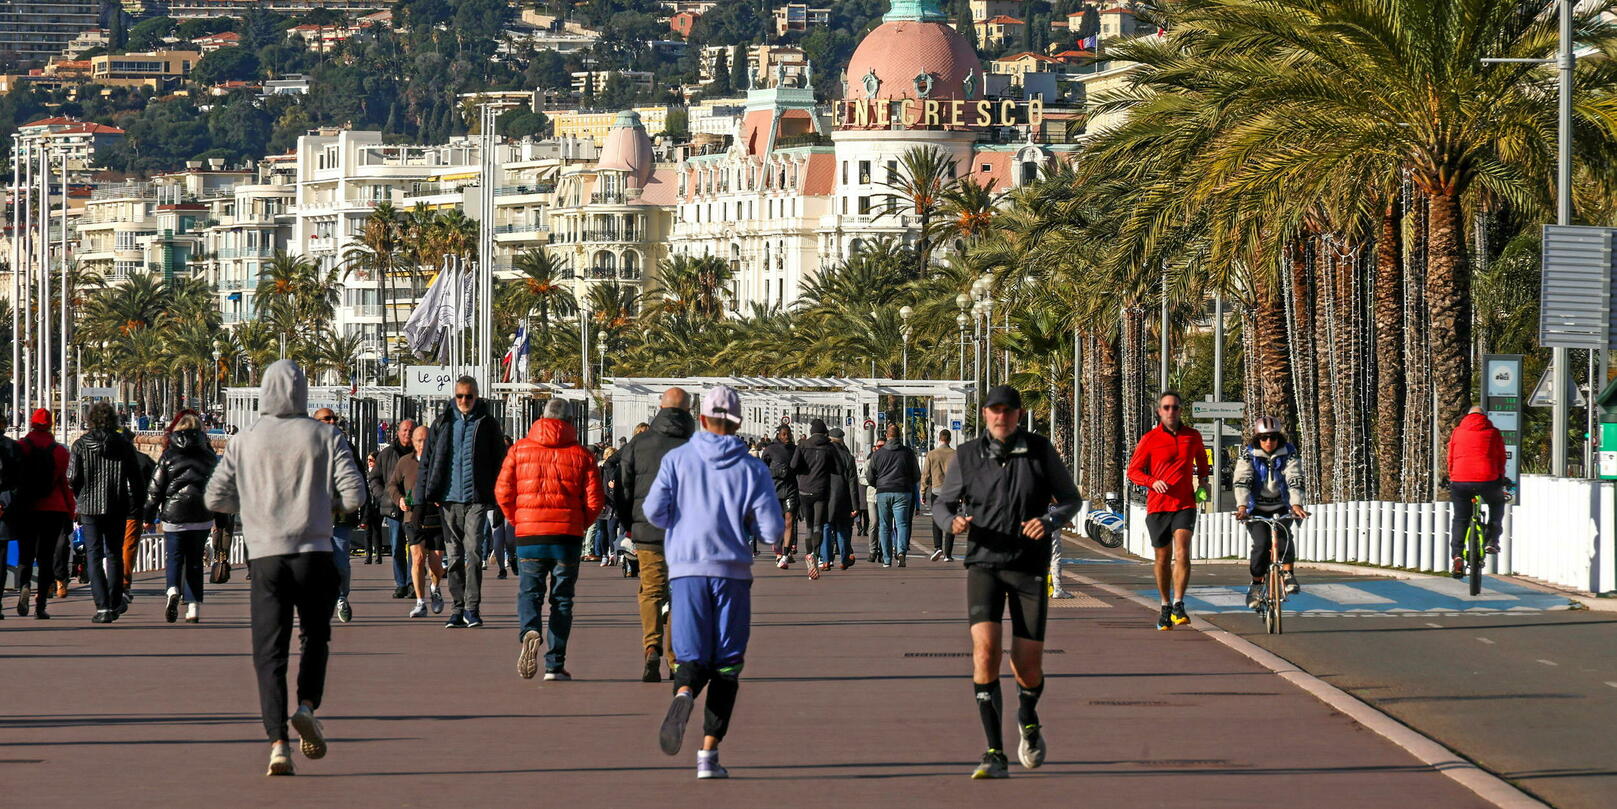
x: 423, y: 328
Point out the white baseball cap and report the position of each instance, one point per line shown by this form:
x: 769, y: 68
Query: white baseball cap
x: 722, y: 403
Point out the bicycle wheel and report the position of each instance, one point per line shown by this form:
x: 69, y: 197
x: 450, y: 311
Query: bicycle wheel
x: 1109, y: 538
x: 1277, y: 597
x: 1473, y: 549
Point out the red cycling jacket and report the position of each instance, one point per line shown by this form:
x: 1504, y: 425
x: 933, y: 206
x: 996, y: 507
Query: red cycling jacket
x: 1476, y: 451
x: 549, y: 485
x: 1175, y: 458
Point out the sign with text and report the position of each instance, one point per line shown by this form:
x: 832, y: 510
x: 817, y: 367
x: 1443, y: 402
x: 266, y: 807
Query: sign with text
x: 1502, y: 403
x: 433, y: 380
x: 934, y: 112
x: 1217, y: 410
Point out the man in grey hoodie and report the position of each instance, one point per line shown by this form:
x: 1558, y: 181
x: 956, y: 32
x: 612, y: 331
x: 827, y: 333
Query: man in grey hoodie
x: 287, y: 476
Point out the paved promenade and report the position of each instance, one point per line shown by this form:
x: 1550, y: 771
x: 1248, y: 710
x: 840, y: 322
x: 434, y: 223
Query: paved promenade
x: 855, y: 694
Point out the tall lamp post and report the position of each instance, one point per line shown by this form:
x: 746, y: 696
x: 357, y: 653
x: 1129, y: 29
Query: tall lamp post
x: 904, y: 314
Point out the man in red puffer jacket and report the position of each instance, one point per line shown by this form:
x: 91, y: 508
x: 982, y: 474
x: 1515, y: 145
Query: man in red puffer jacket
x: 1476, y: 469
x: 549, y: 489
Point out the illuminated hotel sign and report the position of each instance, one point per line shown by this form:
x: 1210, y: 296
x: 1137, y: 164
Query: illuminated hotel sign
x: 931, y: 112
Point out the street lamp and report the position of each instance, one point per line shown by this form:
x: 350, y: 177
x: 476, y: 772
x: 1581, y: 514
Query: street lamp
x: 904, y: 313
x: 961, y: 320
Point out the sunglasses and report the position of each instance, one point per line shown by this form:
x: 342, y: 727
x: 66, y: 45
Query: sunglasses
x: 1269, y: 437
x: 1169, y: 408
x: 329, y: 419
x: 465, y: 397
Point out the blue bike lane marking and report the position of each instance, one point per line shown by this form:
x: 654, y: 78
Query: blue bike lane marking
x: 1388, y: 597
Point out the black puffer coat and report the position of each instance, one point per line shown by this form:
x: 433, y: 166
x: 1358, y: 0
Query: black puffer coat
x: 105, y: 476
x: 178, y: 483
x: 638, y: 467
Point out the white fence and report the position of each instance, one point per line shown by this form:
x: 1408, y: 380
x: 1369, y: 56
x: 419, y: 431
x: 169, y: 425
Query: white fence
x: 1561, y: 530
x: 152, y: 553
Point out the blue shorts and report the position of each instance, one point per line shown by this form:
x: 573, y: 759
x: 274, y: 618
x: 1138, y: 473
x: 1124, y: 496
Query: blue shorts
x: 710, y: 619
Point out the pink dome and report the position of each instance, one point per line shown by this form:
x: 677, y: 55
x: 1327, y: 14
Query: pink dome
x: 628, y: 148
x: 904, y: 54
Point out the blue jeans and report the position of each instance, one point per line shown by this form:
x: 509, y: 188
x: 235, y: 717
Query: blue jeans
x: 560, y: 564
x: 401, y: 552
x: 893, y: 523
x: 836, y: 541
x: 606, y: 535
x: 340, y: 535
x: 103, y: 550
x: 183, y: 556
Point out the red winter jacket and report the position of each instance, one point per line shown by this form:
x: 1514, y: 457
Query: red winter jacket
x: 1476, y: 451
x: 549, y: 485
x: 60, y: 497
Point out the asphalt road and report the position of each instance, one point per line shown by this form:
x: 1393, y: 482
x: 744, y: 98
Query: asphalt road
x: 1529, y: 696
x: 856, y: 693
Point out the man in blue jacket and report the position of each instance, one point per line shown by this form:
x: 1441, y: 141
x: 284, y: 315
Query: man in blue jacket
x: 710, y: 495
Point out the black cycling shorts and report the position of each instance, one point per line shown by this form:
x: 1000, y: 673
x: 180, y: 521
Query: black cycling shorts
x: 1160, y: 525
x: 788, y: 502
x: 987, y: 590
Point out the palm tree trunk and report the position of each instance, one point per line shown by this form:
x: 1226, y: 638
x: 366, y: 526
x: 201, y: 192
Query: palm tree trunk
x: 1448, y: 298
x: 1131, y: 340
x: 1272, y: 349
x: 1319, y: 281
x: 1417, y: 423
x: 1108, y: 416
x: 1389, y: 342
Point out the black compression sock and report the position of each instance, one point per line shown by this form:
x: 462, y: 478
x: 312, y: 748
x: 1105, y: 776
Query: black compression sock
x: 1027, y: 699
x: 990, y: 709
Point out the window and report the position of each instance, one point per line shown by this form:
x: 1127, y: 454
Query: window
x: 892, y: 171
x: 864, y: 206
x: 864, y: 172
x: 844, y: 172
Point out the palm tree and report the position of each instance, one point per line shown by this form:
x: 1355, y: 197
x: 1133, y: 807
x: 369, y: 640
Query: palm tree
x: 698, y: 287
x: 925, y: 173
x: 537, y: 289
x: 380, y: 250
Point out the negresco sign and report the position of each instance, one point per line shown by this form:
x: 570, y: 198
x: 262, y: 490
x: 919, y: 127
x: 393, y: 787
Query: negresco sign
x: 915, y: 112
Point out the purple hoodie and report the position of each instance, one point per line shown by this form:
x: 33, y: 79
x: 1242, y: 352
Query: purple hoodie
x: 705, y: 495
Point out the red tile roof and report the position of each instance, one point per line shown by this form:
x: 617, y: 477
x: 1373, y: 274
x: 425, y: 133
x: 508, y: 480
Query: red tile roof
x: 1004, y: 20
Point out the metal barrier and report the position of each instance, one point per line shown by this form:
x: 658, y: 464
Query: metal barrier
x: 1560, y: 530
x: 152, y: 553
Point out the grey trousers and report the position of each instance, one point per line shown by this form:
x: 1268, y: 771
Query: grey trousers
x: 462, y: 522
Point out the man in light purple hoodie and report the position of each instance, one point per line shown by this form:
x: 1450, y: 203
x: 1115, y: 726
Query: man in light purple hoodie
x: 711, y: 496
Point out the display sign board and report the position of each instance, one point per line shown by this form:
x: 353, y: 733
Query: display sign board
x: 1217, y: 410
x: 97, y: 393
x: 433, y: 380
x: 1575, y: 288
x: 1502, y: 403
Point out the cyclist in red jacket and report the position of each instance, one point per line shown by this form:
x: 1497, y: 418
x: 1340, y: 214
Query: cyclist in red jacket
x: 1171, y: 461
x: 1476, y: 468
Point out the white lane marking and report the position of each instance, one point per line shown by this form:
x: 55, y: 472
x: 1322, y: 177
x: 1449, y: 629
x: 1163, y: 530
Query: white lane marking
x: 1218, y: 596
x: 1485, y: 640
x: 1548, y: 662
x: 1346, y: 594
x: 1612, y: 683
x: 1454, y: 588
x: 1437, y: 626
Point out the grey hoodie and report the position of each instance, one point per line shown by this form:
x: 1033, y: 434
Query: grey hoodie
x: 288, y: 474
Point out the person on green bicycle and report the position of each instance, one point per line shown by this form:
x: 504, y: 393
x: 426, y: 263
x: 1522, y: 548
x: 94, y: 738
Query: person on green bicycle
x: 1269, y: 483
x: 1476, y: 469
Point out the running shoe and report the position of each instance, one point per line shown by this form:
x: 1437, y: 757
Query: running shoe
x: 994, y: 765
x: 311, y: 737
x: 558, y: 676
x: 707, y: 765
x: 1179, y: 616
x: 672, y: 733
x: 1165, y: 618
x: 345, y: 612
x: 1031, y: 752
x: 437, y: 601
x: 402, y: 591
x: 456, y: 621
x: 23, y: 600
x: 171, y: 610
x: 780, y: 561
x: 473, y: 620
x: 1292, y: 587
x: 528, y: 660
x: 280, y: 762
x: 1492, y: 547
x: 1254, y: 595
x: 936, y: 555
x: 420, y: 609
x: 1458, y: 568
x: 101, y: 617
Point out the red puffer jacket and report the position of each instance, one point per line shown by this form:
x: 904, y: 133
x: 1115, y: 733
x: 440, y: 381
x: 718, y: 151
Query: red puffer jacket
x: 549, y: 485
x: 1476, y: 451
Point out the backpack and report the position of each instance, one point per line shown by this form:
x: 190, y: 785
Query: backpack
x: 38, y: 472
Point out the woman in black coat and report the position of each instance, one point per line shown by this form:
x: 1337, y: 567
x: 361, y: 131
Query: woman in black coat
x: 175, y: 499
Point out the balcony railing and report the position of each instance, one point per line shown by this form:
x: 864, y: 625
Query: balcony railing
x: 246, y: 252
x: 512, y: 190
x: 520, y: 227
x: 608, y: 198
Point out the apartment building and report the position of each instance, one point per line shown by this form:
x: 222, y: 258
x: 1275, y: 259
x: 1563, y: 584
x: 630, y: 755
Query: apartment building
x: 82, y: 142
x: 36, y: 31
x: 158, y: 70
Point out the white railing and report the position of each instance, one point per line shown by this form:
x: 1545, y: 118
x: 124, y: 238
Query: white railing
x: 153, y: 553
x: 1560, y: 530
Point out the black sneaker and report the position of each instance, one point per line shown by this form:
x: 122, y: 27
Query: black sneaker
x: 993, y: 765
x: 1179, y: 616
x: 671, y: 735
x: 403, y: 591
x: 1165, y: 619
x: 654, y: 669
x: 1292, y: 587
x: 1492, y: 547
x: 456, y: 621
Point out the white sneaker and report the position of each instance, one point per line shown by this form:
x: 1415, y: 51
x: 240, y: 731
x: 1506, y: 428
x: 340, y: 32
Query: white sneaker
x: 708, y: 766
x: 171, y: 609
x: 311, y: 737
x: 193, y: 612
x: 280, y: 762
x: 420, y: 609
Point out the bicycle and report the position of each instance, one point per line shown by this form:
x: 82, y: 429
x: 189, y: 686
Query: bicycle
x: 1271, y: 604
x: 1472, y: 549
x: 1107, y: 526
